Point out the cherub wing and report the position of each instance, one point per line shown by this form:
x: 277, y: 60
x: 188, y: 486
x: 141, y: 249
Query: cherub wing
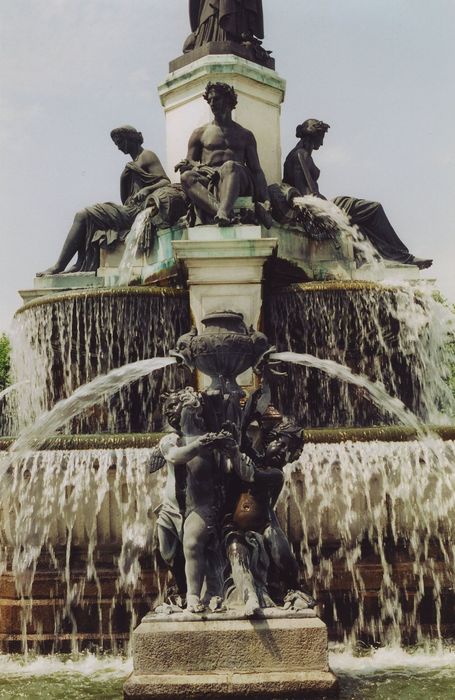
x: 157, y: 460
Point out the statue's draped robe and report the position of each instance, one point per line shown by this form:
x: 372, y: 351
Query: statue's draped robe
x: 225, y: 20
x: 373, y: 223
x: 109, y: 222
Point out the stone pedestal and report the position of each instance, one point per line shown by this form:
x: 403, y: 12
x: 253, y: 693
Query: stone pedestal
x: 201, y: 658
x: 388, y: 271
x: 319, y: 260
x: 260, y: 91
x: 158, y: 264
x: 225, y: 268
x: 56, y: 284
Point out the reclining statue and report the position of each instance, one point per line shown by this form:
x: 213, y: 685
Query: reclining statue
x: 302, y: 174
x: 223, y: 164
x: 143, y: 184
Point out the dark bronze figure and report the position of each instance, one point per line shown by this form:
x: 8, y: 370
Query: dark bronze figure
x: 224, y: 20
x: 225, y: 349
x: 223, y: 164
x: 301, y: 173
x: 143, y: 184
x: 257, y: 548
x: 189, y: 514
x: 220, y: 488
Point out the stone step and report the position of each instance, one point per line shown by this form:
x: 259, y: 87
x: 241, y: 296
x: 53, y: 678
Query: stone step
x: 277, y: 657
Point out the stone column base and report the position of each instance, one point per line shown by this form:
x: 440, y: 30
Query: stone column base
x: 267, y: 658
x: 286, y: 685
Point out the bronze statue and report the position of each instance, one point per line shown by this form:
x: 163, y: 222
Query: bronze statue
x: 223, y: 164
x: 220, y: 489
x: 188, y: 517
x: 143, y: 184
x: 224, y: 20
x: 255, y: 544
x: 301, y: 173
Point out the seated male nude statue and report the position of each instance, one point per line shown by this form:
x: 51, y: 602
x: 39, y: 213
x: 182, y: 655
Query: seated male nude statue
x: 223, y: 164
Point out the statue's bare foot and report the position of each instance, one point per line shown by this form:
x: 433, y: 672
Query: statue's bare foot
x: 252, y: 606
x: 194, y: 605
x: 223, y: 219
x: 422, y: 263
x: 216, y: 604
x: 54, y: 270
x: 299, y: 600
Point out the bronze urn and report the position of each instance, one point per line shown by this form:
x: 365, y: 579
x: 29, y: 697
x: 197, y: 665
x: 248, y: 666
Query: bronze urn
x: 224, y: 349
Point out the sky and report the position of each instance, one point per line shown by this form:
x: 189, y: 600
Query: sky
x: 380, y: 72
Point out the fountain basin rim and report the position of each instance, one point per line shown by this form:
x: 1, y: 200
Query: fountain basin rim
x: 101, y: 441
x: 337, y: 286
x: 391, y: 433
x: 103, y: 292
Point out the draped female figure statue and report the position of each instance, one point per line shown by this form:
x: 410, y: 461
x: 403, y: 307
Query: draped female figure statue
x: 301, y: 172
x: 224, y: 20
x: 143, y: 184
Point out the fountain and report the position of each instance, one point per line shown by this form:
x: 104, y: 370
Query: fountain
x: 354, y: 352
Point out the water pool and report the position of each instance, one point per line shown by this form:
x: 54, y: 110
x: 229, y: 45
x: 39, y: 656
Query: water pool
x: 383, y: 674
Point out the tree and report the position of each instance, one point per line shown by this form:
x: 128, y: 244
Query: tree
x: 5, y: 349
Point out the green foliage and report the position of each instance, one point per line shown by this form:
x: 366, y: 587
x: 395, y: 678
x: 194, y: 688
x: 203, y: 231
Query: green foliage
x: 5, y: 366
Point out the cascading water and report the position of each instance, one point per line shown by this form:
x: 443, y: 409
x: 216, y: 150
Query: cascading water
x: 74, y: 525
x: 126, y: 266
x: 85, y: 397
x: 374, y: 525
x: 80, y: 524
x: 364, y: 251
x: 67, y: 341
x: 7, y: 408
x: 398, y: 337
x: 375, y: 390
x: 394, y: 499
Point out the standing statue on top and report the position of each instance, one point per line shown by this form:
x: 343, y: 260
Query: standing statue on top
x: 223, y: 164
x: 143, y: 184
x: 224, y: 20
x: 302, y: 174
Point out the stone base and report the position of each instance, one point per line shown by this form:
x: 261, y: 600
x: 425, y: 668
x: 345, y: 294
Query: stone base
x: 319, y: 260
x: 56, y: 284
x: 388, y: 271
x: 281, y: 657
x: 286, y: 685
x: 220, y: 48
x: 225, y: 270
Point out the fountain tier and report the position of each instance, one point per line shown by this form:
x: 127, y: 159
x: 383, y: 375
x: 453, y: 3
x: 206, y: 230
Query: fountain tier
x: 398, y: 336
x: 67, y: 340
